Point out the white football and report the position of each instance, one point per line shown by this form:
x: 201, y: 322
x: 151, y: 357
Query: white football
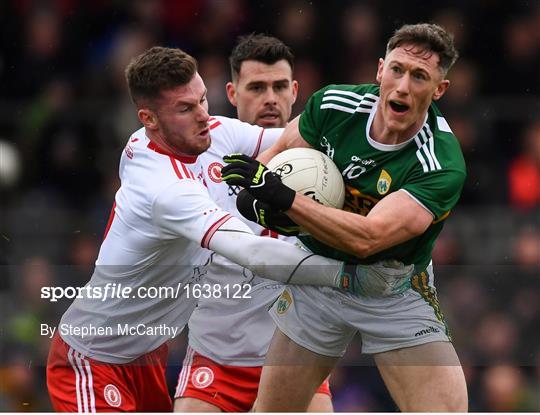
x: 311, y: 173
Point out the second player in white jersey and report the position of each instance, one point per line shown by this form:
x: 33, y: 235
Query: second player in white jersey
x: 233, y: 331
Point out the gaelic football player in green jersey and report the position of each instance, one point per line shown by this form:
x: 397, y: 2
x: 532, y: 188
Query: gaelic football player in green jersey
x: 404, y: 172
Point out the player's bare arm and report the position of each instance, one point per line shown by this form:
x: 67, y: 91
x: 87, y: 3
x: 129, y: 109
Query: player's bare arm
x: 290, y: 138
x: 395, y: 219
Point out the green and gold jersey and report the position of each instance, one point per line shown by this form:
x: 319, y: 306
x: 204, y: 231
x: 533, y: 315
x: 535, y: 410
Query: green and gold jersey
x: 429, y: 166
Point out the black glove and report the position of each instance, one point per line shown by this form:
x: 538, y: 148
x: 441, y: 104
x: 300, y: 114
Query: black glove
x: 263, y: 184
x: 264, y: 215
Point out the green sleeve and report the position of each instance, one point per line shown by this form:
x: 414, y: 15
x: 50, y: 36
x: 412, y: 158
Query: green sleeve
x: 437, y: 190
x: 312, y: 120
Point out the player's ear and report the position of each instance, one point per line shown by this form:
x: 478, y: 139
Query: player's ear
x: 294, y: 90
x: 380, y: 67
x: 231, y: 93
x: 148, y: 118
x: 441, y: 89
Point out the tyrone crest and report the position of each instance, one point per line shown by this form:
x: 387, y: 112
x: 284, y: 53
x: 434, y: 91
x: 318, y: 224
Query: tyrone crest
x: 202, y: 377
x: 214, y: 171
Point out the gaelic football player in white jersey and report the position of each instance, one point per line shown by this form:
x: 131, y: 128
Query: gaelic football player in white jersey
x: 109, y: 352
x: 229, y: 337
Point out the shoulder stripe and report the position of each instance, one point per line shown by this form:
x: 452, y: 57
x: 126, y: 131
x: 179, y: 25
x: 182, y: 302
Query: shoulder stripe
x: 175, y: 168
x: 187, y: 172
x: 426, y: 145
x: 346, y: 109
x: 258, y: 146
x: 421, y: 159
x: 348, y: 101
x: 425, y: 148
x: 338, y: 107
x: 341, y: 92
x: 432, y: 147
x: 341, y: 99
x: 215, y: 124
x: 212, y: 230
x: 355, y: 104
x: 375, y: 98
x: 352, y: 94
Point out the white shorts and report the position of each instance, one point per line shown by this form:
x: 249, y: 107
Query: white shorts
x: 324, y: 320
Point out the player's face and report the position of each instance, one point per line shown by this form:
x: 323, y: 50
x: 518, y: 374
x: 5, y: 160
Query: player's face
x: 182, y: 117
x: 410, y: 79
x: 264, y: 94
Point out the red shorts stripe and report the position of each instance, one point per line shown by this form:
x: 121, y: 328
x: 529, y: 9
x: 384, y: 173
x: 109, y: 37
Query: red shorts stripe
x: 184, y: 373
x: 80, y: 384
x: 230, y: 388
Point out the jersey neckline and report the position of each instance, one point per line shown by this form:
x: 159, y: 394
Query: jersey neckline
x: 387, y: 147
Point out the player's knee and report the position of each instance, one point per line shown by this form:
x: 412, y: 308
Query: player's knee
x: 453, y: 402
x: 457, y: 396
x: 449, y: 396
x: 457, y: 401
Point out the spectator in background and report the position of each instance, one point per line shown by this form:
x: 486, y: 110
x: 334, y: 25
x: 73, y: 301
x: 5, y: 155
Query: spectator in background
x: 504, y: 390
x: 524, y: 171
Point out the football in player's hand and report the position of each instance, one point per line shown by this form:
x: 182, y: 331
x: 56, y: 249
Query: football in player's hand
x: 311, y: 173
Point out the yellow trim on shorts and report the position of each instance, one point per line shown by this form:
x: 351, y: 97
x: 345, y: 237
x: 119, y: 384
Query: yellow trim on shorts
x: 420, y: 284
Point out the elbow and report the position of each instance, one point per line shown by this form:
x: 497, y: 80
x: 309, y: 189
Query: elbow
x: 364, y: 249
x: 367, y: 245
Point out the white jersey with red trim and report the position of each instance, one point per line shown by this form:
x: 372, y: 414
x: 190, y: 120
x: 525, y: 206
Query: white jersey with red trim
x: 138, y: 296
x: 234, y: 328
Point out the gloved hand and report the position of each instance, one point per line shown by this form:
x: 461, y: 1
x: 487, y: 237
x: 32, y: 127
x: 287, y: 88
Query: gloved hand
x: 381, y: 279
x: 263, y: 214
x: 263, y: 184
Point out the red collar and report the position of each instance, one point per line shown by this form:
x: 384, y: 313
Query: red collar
x: 183, y: 159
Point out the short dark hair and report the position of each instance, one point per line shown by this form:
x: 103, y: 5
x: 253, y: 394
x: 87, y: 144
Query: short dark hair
x: 430, y: 37
x: 261, y: 48
x: 158, y: 69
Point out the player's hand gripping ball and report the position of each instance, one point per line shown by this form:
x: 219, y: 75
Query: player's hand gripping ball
x: 261, y: 183
x: 303, y: 170
x: 312, y: 173
x: 263, y: 214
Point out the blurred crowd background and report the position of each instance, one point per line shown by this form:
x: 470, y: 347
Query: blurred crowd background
x: 65, y: 116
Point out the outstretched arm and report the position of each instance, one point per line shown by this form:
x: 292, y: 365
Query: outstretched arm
x: 280, y: 261
x: 273, y: 258
x: 290, y: 138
